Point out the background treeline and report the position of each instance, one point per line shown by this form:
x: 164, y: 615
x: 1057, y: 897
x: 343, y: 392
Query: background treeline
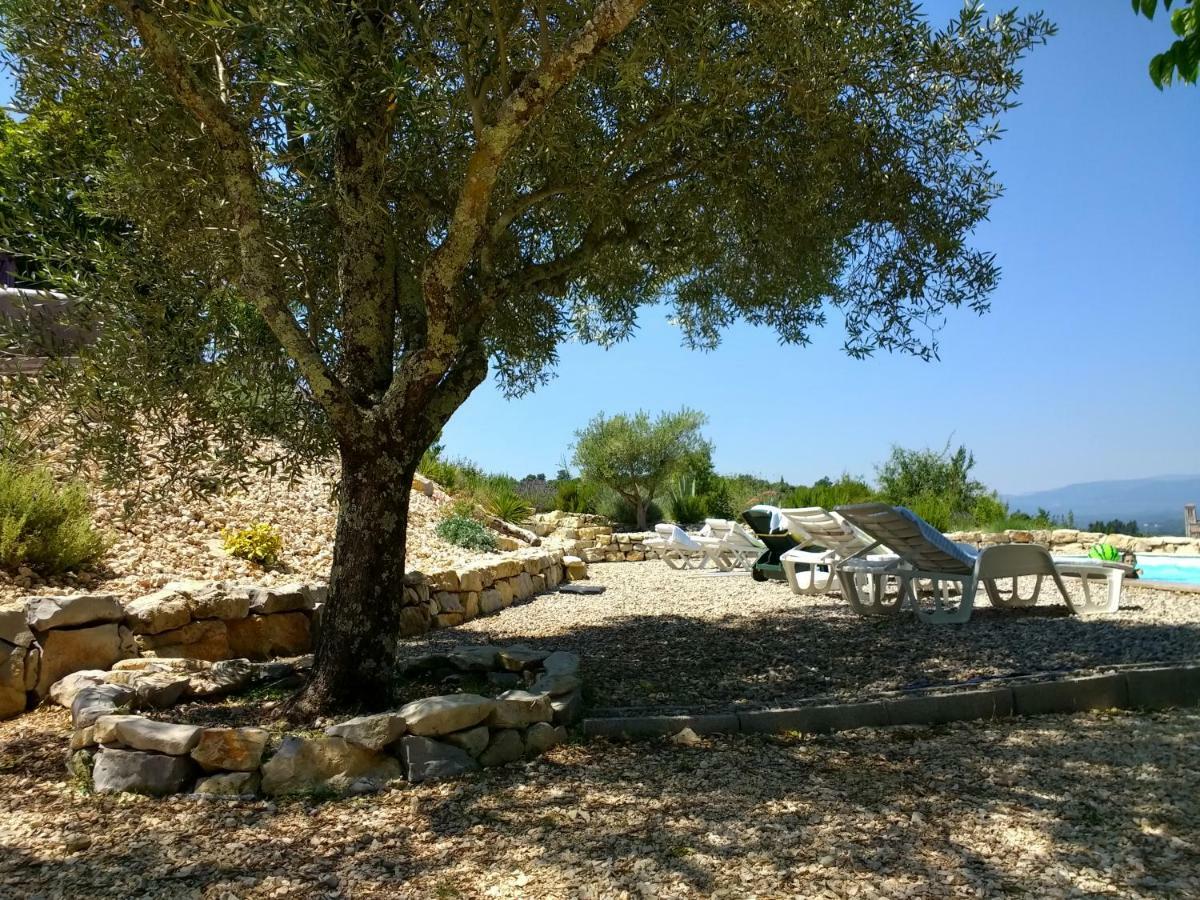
x: 936, y: 484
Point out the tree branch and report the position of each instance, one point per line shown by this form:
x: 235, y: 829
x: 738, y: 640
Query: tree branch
x: 531, y: 97
x: 242, y: 187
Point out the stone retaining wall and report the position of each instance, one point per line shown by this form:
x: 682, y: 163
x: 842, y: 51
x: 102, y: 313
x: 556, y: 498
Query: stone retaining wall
x: 592, y: 538
x: 1069, y: 541
x: 52, y: 637
x: 115, y: 750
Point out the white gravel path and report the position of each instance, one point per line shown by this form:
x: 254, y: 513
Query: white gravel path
x: 661, y: 638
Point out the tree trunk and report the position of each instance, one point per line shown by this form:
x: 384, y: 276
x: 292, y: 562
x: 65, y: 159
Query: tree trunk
x: 641, y: 514
x: 354, y: 666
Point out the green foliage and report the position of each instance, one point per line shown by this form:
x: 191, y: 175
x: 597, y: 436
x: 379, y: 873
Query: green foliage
x: 683, y: 503
x: 574, y: 495
x: 613, y: 506
x: 463, y: 531
x: 537, y: 491
x: 1115, y: 526
x: 827, y: 494
x: 258, y: 543
x: 746, y: 491
x: 508, y: 505
x: 1182, y: 58
x: 634, y: 456
x: 937, y: 485
x: 44, y: 525
x: 136, y: 203
x: 718, y: 500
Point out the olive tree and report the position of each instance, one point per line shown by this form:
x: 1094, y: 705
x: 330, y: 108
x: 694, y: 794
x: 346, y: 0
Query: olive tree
x: 344, y: 212
x: 634, y: 456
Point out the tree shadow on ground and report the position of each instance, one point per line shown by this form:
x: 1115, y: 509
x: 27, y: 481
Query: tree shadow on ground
x: 1090, y: 804
x: 821, y: 649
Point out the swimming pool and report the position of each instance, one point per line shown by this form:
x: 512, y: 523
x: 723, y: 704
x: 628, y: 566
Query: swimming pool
x: 1161, y: 567
x: 1165, y: 567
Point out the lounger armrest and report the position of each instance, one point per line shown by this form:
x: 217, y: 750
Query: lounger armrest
x: 809, y: 557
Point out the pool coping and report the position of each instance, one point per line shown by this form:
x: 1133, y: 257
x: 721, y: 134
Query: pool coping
x: 1144, y: 687
x: 1175, y: 586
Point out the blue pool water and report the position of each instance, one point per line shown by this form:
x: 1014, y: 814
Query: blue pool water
x: 1159, y: 567
x: 1163, y: 567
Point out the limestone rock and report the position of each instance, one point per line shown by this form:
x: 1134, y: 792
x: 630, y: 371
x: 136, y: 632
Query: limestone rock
x: 147, y: 734
x: 436, y: 716
x: 206, y: 639
x: 519, y: 657
x: 541, y: 736
x: 140, y: 773
x: 158, y: 690
x: 69, y: 650
x: 473, y: 659
x: 163, y: 610
x: 490, y: 601
x: 230, y: 749
x: 505, y: 746
x: 14, y: 629
x: 556, y: 685
x: 567, y: 709
x: 229, y: 784
x: 83, y: 738
x: 561, y: 662
x: 504, y: 680
x: 516, y: 709
x: 306, y: 764
x: 221, y: 600
x: 12, y: 680
x: 91, y: 703
x: 261, y: 637
x: 473, y: 740
x: 64, y: 690
x: 222, y: 677
x: 414, y: 620
x: 425, y: 759
x: 44, y: 613
x: 373, y: 732
x: 281, y: 598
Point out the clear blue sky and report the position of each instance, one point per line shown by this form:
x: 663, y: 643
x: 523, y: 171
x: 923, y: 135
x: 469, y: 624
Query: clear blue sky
x: 1087, y: 367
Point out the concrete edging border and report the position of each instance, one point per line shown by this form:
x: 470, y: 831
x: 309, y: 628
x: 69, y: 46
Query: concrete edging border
x: 1159, y: 687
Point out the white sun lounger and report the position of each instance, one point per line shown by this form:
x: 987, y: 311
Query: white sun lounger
x: 925, y: 553
x: 679, y: 549
x: 836, y: 537
x: 730, y: 544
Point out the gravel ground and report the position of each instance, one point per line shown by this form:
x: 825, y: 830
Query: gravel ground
x: 1083, y: 806
x: 688, y: 641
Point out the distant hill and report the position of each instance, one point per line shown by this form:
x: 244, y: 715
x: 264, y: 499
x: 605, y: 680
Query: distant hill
x: 1156, y: 503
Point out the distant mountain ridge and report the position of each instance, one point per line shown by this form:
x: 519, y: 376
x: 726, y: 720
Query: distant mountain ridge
x: 1155, y: 503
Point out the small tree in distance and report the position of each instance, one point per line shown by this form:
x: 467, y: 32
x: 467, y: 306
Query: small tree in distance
x: 341, y: 214
x: 634, y: 456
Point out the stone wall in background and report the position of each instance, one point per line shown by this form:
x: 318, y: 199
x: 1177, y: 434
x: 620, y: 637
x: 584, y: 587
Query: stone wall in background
x: 54, y: 636
x: 1069, y: 541
x: 592, y: 538
x: 435, y: 737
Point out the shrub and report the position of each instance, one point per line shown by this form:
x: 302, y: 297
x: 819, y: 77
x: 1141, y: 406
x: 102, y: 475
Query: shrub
x: 575, y: 496
x: 718, y: 502
x: 508, y: 505
x: 686, y: 506
x: 43, y: 525
x: 259, y: 543
x: 613, y: 506
x: 463, y: 531
x: 537, y: 492
x: 829, y: 494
